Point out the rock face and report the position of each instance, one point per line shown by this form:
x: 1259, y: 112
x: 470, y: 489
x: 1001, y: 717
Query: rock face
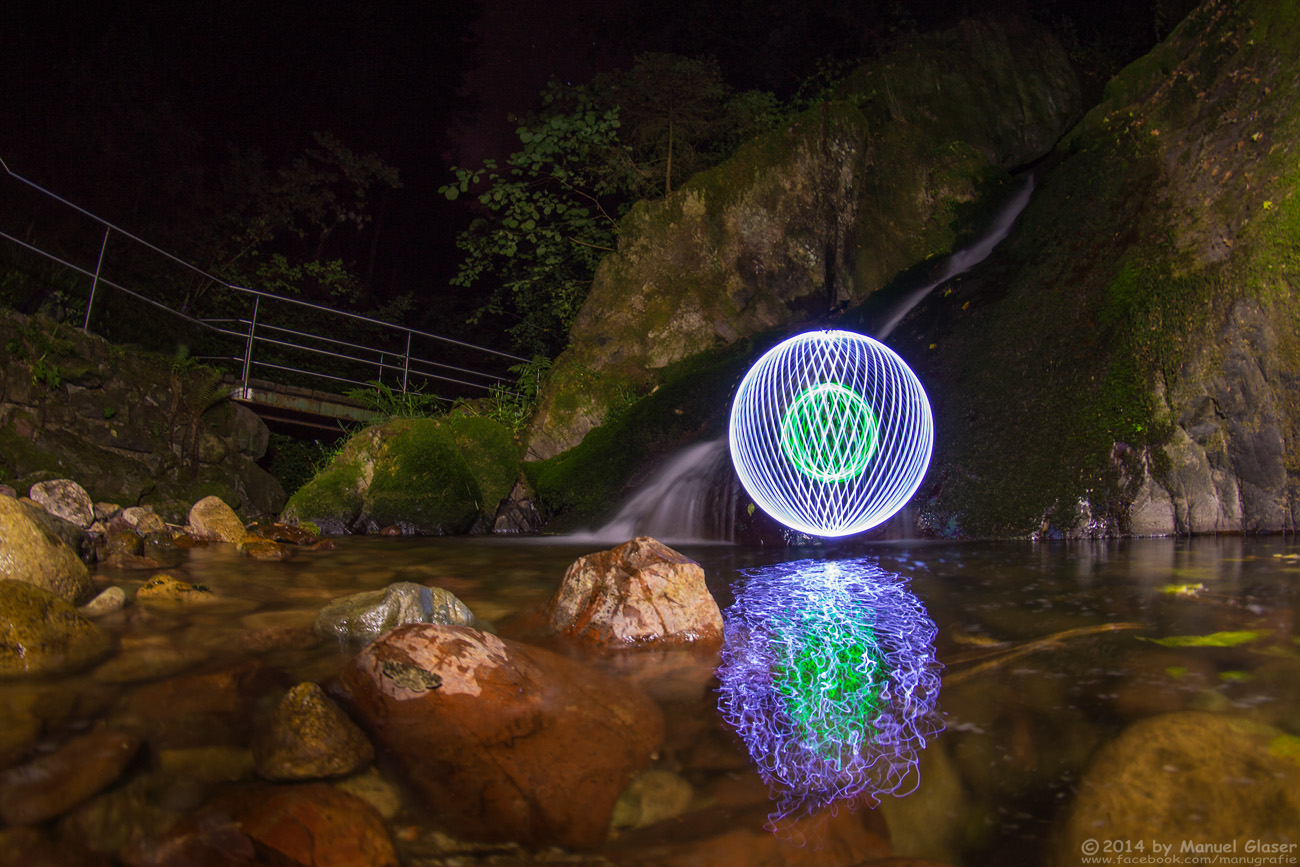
x: 426, y: 476
x: 128, y: 426
x: 1163, y: 779
x: 29, y: 552
x: 813, y: 217
x: 641, y: 593
x: 309, y: 737
x: 503, y: 741
x: 1127, y: 360
x: 364, y: 616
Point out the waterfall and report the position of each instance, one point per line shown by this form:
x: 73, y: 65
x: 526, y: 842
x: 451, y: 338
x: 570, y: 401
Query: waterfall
x: 692, y: 496
x: 967, y: 257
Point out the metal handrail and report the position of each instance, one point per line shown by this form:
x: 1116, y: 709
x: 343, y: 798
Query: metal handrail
x: 251, y: 336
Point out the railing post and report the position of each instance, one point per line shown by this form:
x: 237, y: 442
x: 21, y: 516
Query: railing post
x: 248, y: 347
x: 406, y: 362
x: 90, y: 302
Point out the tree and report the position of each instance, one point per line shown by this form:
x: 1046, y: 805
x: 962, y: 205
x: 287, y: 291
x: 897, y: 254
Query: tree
x: 551, y: 212
x: 548, y: 215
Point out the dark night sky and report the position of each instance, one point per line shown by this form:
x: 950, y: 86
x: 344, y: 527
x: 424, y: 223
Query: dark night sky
x: 99, y: 101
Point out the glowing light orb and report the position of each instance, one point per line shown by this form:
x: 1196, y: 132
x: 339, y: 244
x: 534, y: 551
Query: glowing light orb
x: 829, y: 677
x: 831, y: 433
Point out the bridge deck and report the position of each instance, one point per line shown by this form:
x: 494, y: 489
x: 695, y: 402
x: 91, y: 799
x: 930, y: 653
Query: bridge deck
x: 294, y: 406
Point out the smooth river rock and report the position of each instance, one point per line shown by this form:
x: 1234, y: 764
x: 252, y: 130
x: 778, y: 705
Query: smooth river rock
x: 310, y: 737
x: 31, y: 553
x: 66, y: 499
x: 362, y: 617
x: 54, y: 783
x: 41, y: 633
x: 501, y: 740
x: 211, y: 519
x: 641, y: 593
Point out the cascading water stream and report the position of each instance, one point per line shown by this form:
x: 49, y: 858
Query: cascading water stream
x: 692, y: 496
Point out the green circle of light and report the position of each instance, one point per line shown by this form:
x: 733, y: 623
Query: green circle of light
x: 829, y: 433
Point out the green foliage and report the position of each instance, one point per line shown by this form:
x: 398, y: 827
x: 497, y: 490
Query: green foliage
x: 551, y: 212
x: 295, y: 462
x: 412, y: 403
x: 511, y: 406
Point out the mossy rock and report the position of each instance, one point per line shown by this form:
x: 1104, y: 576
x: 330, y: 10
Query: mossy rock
x: 430, y: 476
x: 41, y: 633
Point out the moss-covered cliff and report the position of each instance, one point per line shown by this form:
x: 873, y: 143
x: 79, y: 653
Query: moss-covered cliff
x: 1128, y: 361
x: 813, y: 217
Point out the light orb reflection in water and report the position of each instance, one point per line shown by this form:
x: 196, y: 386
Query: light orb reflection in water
x: 829, y: 677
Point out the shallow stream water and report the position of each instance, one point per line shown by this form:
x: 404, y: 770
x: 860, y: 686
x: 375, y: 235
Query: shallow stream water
x: 1034, y: 680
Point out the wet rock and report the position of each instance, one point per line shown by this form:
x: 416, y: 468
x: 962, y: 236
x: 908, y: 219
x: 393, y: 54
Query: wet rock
x: 65, y: 499
x: 309, y: 737
x: 200, y: 708
x: 364, y: 616
x: 376, y: 791
x: 311, y: 825
x: 211, y: 519
x: 169, y: 589
x: 651, y: 797
x: 67, y: 532
x: 144, y: 807
x: 19, y: 729
x: 1163, y: 779
x: 831, y: 836
x: 31, y: 553
x: 112, y: 599
x: 278, y: 532
x: 501, y: 740
x: 123, y: 543
x: 57, y: 782
x: 517, y: 512
x: 105, y: 512
x: 28, y: 847
x: 7, y: 491
x: 159, y: 545
x: 263, y: 549
x: 641, y: 592
x: 141, y: 519
x: 147, y: 660
x: 40, y: 633
x: 218, y: 763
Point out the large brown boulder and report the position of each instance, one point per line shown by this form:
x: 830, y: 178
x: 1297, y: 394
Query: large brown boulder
x: 31, y: 553
x: 641, y: 592
x: 503, y: 741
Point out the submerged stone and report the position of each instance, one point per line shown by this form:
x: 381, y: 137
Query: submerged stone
x: 364, y: 616
x: 1202, y: 778
x: 501, y: 740
x: 55, y: 783
x: 309, y: 737
x: 41, y: 633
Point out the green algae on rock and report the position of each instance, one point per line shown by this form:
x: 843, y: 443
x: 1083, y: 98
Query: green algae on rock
x: 429, y: 476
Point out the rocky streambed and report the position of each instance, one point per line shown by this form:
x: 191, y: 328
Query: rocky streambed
x: 520, y: 701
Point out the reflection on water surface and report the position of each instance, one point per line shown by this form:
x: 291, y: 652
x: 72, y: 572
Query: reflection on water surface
x: 1049, y: 652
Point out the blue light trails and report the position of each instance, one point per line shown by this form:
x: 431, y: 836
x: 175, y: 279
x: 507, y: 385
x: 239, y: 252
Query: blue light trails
x: 829, y: 677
